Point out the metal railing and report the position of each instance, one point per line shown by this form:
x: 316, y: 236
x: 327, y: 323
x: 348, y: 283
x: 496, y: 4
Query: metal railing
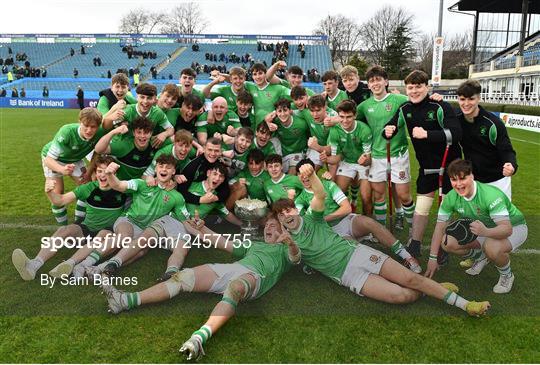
x: 499, y: 97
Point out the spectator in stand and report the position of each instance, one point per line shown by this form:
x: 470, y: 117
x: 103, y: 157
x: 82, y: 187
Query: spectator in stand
x: 75, y: 73
x: 71, y: 52
x: 83, y: 50
x: 14, y: 93
x: 80, y: 97
x: 3, y: 93
x: 45, y: 92
x: 109, y: 75
x: 23, y: 93
x: 10, y: 76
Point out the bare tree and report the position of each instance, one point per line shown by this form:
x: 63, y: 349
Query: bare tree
x: 187, y: 18
x: 140, y: 21
x: 377, y: 31
x: 343, y: 36
x: 424, y: 52
x: 456, y: 56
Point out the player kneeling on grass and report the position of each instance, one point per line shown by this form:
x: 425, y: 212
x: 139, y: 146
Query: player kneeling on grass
x: 259, y: 267
x: 499, y: 226
x: 364, y: 270
x: 337, y: 214
x: 64, y: 155
x: 250, y: 181
x: 149, y: 203
x: 215, y: 176
x: 104, y: 207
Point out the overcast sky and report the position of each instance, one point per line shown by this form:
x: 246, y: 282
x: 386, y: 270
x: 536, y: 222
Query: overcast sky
x: 256, y: 17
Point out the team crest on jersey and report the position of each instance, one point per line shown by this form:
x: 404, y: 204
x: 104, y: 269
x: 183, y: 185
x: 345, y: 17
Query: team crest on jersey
x: 483, y: 130
x: 388, y: 107
x: 430, y: 115
x: 374, y: 258
x: 371, y: 110
x: 409, y: 115
x: 402, y: 175
x: 268, y: 95
x: 166, y: 198
x: 136, y: 157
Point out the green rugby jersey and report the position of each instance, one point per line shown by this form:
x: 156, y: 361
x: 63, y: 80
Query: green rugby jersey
x: 68, y: 146
x: 240, y: 160
x: 376, y: 113
x: 254, y: 184
x: 133, y: 161
x: 265, y: 98
x: 287, y: 84
x: 351, y: 145
x: 104, y: 106
x: 227, y: 92
x: 273, y: 146
x: 322, y: 248
x: 276, y: 190
x: 103, y: 207
x: 229, y: 119
x: 156, y: 115
x: 332, y: 103
x: 169, y: 150
x: 317, y: 129
x: 198, y: 188
x: 153, y: 202
x: 268, y: 260
x: 294, y: 137
x: 488, y: 205
x: 334, y: 196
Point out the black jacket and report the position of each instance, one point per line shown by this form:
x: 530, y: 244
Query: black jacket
x: 433, y: 116
x: 195, y: 171
x: 486, y: 144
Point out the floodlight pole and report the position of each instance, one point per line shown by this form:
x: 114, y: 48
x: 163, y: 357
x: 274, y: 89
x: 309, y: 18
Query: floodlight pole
x: 524, y: 11
x: 441, y: 5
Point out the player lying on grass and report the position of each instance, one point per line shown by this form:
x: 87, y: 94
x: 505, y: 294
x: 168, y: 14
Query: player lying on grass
x: 64, y: 155
x: 497, y: 226
x: 364, y: 270
x: 149, y: 203
x: 259, y: 267
x: 337, y: 214
x: 104, y: 207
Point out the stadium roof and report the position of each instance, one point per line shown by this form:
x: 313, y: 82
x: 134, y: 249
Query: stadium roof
x: 498, y: 6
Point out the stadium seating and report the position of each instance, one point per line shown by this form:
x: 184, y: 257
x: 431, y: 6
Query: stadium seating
x: 59, y: 64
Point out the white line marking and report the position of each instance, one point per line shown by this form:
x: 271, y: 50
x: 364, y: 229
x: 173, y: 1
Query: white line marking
x: 29, y: 226
x: 523, y: 140
x: 525, y: 251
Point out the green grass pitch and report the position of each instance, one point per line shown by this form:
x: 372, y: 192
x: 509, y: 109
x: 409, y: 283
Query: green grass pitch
x: 303, y: 319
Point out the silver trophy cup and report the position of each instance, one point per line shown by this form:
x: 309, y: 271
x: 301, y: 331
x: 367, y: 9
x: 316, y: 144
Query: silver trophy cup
x: 250, y: 211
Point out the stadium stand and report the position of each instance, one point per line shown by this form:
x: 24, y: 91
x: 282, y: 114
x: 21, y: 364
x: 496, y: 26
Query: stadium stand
x: 170, y: 59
